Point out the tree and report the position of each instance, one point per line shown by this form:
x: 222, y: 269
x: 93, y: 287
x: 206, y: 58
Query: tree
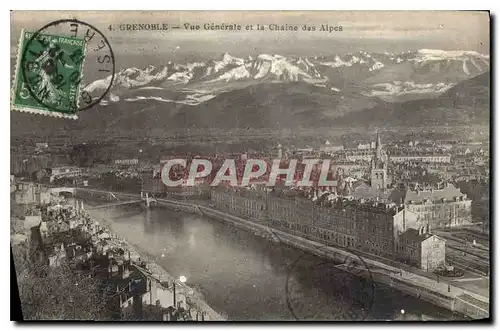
x: 57, y: 293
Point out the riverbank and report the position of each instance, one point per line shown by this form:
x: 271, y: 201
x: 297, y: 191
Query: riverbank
x: 158, y: 273
x: 441, y: 294
x: 413, y: 283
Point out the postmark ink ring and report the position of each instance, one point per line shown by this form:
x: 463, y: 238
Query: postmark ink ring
x: 358, y: 293
x: 51, y: 72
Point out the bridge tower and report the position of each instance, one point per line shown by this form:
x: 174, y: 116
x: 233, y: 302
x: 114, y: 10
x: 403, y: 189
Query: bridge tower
x: 145, y: 197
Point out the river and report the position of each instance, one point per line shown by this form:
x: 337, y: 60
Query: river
x: 250, y: 278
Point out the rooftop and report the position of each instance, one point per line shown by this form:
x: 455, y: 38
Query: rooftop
x: 323, y: 199
x: 413, y: 235
x: 449, y: 192
x: 365, y: 191
x: 418, y: 153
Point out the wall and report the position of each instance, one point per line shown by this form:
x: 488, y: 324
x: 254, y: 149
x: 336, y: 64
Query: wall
x: 365, y: 228
x: 433, y: 253
x: 422, y: 292
x: 405, y: 219
x: 165, y: 296
x: 425, y: 293
x: 469, y: 309
x: 443, y: 214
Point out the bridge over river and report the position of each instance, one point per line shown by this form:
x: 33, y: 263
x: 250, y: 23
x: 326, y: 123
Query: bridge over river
x: 246, y: 276
x: 119, y: 199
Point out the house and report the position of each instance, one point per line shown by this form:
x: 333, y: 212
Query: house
x: 368, y: 145
x: 12, y: 184
x: 159, y: 295
x: 65, y: 172
x: 58, y: 256
x: 39, y: 147
x: 27, y: 193
x: 32, y: 221
x: 44, y: 231
x: 441, y: 208
x: 347, y: 168
x: 362, y: 190
x: 126, y: 162
x: 421, y: 248
x: 329, y: 148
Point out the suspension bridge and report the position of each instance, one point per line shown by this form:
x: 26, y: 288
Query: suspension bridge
x: 120, y: 199
x: 115, y: 204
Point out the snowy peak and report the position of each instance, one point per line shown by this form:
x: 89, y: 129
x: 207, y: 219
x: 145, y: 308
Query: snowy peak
x: 227, y: 60
x: 237, y: 73
x: 278, y: 67
x: 231, y: 59
x: 388, y: 75
x: 377, y: 61
x: 264, y: 67
x: 149, y: 69
x: 463, y: 64
x: 437, y: 54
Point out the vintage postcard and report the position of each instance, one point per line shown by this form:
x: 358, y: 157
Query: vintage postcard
x: 250, y: 165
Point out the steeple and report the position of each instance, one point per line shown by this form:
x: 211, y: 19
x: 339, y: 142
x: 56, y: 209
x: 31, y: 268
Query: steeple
x: 379, y: 177
x: 378, y: 148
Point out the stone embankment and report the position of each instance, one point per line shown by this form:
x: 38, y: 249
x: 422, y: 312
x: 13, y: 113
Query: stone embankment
x: 156, y: 273
x: 452, y: 298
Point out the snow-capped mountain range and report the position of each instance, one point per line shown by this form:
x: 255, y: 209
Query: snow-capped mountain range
x: 389, y: 76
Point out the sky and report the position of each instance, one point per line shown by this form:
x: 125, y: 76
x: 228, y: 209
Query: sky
x: 371, y: 31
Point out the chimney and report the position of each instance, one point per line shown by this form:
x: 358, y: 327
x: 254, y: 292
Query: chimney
x: 428, y: 228
x: 420, y: 230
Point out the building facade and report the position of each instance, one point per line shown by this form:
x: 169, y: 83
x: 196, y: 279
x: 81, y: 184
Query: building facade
x: 27, y: 193
x: 329, y: 148
x: 244, y: 203
x: 127, y: 162
x: 379, y: 173
x: 348, y: 168
x: 374, y: 228
x: 421, y: 157
x: 367, y: 145
x: 65, y: 172
x: 421, y: 249
x: 27, y: 164
x: 441, y: 208
x: 358, y: 155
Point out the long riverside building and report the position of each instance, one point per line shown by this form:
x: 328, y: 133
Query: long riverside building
x: 375, y: 228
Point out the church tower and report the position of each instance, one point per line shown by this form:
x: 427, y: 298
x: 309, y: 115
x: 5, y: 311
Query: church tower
x: 379, y: 177
x: 378, y: 148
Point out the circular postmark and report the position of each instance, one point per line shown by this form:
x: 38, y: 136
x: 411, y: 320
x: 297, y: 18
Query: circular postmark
x: 58, y: 57
x: 329, y: 290
x: 276, y: 240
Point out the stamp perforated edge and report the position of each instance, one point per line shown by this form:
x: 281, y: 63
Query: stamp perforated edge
x: 32, y: 110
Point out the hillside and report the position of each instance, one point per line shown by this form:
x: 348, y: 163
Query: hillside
x: 273, y: 106
x: 466, y: 103
x: 431, y: 87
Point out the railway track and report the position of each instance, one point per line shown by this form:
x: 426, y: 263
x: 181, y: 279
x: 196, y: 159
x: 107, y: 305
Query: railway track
x: 473, y: 266
x: 482, y: 255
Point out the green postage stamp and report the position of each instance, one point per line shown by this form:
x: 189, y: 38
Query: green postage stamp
x: 48, y: 74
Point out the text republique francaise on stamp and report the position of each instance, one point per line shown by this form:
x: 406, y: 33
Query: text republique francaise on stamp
x: 49, y: 72
x: 51, y: 67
